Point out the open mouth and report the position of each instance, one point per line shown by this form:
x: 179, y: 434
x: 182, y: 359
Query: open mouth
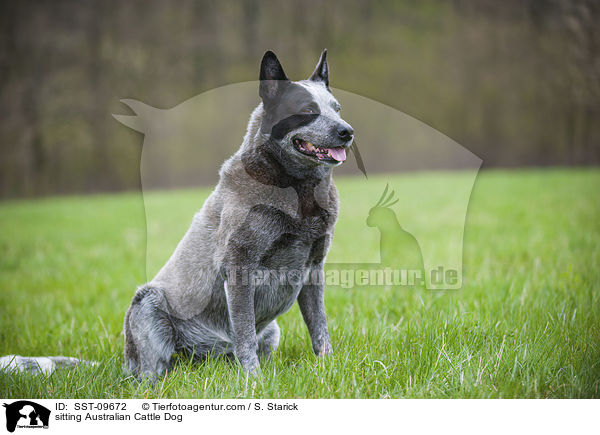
x: 323, y: 154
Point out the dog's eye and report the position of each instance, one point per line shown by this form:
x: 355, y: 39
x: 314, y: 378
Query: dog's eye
x: 337, y: 108
x: 309, y: 109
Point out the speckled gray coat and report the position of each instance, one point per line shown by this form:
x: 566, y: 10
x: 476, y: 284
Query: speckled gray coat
x: 272, y: 214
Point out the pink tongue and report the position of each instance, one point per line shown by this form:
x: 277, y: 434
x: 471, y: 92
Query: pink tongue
x: 338, y: 153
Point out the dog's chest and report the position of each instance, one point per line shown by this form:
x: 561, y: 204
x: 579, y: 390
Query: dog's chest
x: 298, y: 241
x: 287, y: 264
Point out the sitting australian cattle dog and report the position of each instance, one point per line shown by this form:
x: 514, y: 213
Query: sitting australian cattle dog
x: 272, y: 213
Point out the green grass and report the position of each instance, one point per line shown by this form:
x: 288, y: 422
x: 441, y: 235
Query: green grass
x: 526, y: 323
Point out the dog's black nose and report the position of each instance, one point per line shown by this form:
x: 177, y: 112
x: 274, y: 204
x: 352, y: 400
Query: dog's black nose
x: 345, y: 132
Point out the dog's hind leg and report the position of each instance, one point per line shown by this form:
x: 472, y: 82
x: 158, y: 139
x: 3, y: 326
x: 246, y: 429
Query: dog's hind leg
x: 268, y: 340
x: 149, y: 335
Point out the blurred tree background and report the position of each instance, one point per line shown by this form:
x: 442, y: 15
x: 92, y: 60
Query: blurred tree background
x: 516, y: 82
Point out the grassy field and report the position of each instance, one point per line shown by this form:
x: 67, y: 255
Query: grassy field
x: 526, y: 323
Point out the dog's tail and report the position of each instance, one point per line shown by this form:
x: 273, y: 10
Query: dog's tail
x: 40, y: 364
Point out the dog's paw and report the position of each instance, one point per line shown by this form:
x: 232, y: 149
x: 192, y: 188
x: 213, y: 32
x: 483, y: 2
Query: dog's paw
x: 253, y: 371
x: 250, y: 365
x: 325, y: 350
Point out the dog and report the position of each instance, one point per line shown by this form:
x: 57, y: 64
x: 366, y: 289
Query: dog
x: 272, y: 211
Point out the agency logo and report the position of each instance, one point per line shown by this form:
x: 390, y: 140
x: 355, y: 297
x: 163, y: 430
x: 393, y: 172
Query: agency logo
x: 408, y: 237
x: 25, y: 414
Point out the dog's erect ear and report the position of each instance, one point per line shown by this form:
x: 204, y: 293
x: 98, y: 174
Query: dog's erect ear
x: 321, y: 72
x: 272, y: 78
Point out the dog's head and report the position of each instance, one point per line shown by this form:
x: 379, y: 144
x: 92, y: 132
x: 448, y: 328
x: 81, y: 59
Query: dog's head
x: 302, y: 119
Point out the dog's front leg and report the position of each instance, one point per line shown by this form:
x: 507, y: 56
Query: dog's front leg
x: 312, y: 305
x: 246, y: 245
x: 240, y: 303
